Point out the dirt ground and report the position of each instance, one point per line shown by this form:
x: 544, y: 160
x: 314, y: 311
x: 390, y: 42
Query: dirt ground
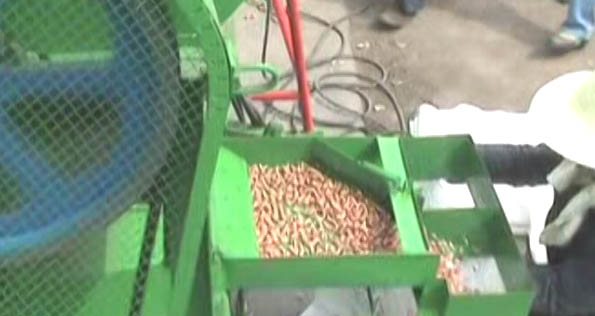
x: 490, y: 53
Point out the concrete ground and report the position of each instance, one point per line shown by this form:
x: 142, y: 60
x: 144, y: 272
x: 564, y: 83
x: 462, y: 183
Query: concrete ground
x: 491, y: 53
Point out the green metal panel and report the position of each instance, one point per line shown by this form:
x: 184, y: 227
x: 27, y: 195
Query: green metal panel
x: 226, y: 8
x: 28, y: 20
x: 277, y: 150
x: 236, y: 236
x: 352, y: 271
x: 192, y: 268
x: 364, y: 175
x: 482, y: 231
x: 236, y: 261
x: 433, y: 299
x: 288, y: 150
x: 441, y: 157
x: 118, y: 258
x: 514, y: 304
x: 108, y: 271
x: 390, y: 154
x: 158, y: 287
x: 119, y: 272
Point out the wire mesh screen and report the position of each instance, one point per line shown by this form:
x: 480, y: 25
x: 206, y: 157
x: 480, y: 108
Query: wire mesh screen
x: 98, y: 113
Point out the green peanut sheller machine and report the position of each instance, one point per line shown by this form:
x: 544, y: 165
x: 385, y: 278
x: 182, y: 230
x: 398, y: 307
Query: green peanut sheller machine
x: 123, y: 194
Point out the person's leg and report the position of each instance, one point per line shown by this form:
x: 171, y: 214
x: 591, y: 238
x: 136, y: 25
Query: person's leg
x: 580, y: 19
x: 578, y: 27
x: 565, y: 290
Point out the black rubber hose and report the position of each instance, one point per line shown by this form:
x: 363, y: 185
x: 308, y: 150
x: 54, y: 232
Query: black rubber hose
x: 321, y: 84
x: 239, y: 110
x: 266, y: 36
x: 255, y: 118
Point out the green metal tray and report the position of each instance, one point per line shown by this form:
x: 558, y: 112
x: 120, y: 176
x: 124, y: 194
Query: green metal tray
x: 370, y: 163
x: 483, y: 231
x: 236, y: 262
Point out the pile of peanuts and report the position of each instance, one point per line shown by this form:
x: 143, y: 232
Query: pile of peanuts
x: 301, y: 212
x: 450, y: 265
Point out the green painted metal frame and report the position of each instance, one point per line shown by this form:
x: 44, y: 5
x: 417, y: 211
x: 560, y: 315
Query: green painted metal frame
x: 235, y: 258
x: 204, y: 20
x: 483, y: 231
x: 226, y: 8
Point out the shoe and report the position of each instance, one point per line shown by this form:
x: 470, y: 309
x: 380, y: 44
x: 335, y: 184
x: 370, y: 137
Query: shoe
x: 410, y: 8
x: 566, y: 41
x: 392, y: 19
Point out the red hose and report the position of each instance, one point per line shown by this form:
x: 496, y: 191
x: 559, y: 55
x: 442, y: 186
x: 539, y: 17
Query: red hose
x: 285, y: 26
x: 276, y: 96
x: 301, y: 65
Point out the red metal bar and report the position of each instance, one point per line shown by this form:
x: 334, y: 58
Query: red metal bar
x: 276, y: 96
x: 284, y: 23
x: 301, y: 65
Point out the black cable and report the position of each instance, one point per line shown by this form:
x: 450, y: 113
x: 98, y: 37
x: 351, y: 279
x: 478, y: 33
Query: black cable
x: 253, y: 115
x: 333, y: 26
x: 239, y: 110
x: 289, y: 75
x: 319, y: 87
x: 265, y: 40
x: 321, y: 122
x: 329, y: 103
x: 326, y: 123
x: 144, y: 264
x: 323, y: 83
x: 292, y: 116
x: 379, y: 84
x: 240, y: 304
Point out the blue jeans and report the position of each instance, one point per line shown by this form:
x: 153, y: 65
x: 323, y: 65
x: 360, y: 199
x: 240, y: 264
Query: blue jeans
x: 581, y: 18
